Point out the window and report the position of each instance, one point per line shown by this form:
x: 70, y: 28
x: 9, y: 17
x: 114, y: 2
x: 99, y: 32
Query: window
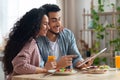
x: 10, y: 11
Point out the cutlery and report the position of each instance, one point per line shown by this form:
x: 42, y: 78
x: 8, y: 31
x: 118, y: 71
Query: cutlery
x: 47, y: 75
x: 50, y: 73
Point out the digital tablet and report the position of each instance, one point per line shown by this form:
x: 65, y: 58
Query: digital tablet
x: 92, y: 57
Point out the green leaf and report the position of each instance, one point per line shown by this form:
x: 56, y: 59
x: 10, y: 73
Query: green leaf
x: 118, y: 8
x: 96, y: 61
x: 99, y: 1
x: 112, y: 4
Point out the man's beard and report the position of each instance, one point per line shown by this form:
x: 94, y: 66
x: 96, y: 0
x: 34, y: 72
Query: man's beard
x: 53, y: 32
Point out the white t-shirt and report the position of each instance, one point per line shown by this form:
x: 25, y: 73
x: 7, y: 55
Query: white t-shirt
x: 54, y: 50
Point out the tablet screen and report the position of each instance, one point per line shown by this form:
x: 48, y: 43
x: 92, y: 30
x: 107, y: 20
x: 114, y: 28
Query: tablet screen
x: 92, y: 57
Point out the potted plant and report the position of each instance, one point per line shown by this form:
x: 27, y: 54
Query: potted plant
x: 116, y: 44
x: 99, y: 30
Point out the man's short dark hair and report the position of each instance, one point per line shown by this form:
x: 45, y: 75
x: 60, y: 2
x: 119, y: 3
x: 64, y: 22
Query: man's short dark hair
x: 51, y: 8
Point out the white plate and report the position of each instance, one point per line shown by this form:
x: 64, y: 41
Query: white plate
x: 65, y: 73
x: 101, y: 71
x: 52, y: 71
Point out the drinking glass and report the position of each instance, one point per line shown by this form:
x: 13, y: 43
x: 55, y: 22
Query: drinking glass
x: 117, y: 60
x: 51, y: 57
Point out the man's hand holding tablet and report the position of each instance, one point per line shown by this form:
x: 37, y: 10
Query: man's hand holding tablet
x: 90, y: 60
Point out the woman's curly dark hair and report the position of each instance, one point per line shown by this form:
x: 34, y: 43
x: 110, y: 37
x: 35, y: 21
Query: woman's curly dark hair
x: 23, y: 30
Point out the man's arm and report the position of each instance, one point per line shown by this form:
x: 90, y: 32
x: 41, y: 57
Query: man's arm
x: 65, y: 61
x: 73, y: 50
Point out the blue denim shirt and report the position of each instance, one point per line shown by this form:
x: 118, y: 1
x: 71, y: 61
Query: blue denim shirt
x: 67, y: 45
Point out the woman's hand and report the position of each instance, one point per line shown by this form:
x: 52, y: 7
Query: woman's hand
x: 40, y: 70
x: 50, y: 65
x: 61, y: 28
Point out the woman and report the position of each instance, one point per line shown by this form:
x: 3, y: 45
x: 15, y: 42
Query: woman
x: 21, y: 54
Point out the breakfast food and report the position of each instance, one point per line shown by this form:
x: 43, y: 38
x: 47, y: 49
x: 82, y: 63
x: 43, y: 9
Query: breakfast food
x: 105, y: 67
x: 65, y: 71
x: 96, y: 69
x: 88, y: 68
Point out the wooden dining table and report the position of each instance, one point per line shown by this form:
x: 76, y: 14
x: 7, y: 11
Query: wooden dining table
x: 109, y: 75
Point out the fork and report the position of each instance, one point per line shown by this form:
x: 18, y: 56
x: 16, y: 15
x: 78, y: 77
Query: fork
x: 47, y: 75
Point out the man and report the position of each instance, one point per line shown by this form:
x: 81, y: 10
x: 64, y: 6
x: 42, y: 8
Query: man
x: 59, y: 42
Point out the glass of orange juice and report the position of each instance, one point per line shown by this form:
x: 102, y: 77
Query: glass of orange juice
x: 51, y: 58
x: 117, y: 60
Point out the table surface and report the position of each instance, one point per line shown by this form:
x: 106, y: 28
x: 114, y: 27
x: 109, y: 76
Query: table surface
x: 109, y: 75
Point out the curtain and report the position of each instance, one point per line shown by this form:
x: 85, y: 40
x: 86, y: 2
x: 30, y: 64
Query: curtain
x: 68, y: 13
x: 72, y: 18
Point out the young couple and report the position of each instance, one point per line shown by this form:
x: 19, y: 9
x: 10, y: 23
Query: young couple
x: 36, y: 35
